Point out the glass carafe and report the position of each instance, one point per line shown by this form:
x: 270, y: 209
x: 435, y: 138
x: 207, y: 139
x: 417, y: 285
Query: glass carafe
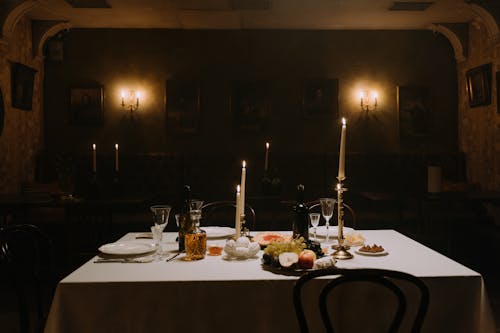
x: 196, y: 239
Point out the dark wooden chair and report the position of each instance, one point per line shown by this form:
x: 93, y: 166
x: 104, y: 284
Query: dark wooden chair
x: 349, y: 214
x: 383, y: 278
x: 88, y: 226
x: 222, y: 213
x: 26, y: 259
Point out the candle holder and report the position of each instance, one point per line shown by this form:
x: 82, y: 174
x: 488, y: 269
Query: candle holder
x: 341, y: 251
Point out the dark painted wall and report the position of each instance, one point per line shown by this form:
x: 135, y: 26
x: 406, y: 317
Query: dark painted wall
x: 145, y: 59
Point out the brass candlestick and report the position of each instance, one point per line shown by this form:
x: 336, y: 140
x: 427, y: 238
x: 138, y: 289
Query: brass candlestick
x: 341, y: 251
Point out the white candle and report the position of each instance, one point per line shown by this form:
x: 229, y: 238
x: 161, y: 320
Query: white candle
x: 341, y: 175
x: 116, y: 158
x: 237, y: 221
x: 94, y: 158
x: 243, y: 181
x: 266, y: 161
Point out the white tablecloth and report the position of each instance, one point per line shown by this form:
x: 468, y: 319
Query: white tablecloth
x: 218, y: 295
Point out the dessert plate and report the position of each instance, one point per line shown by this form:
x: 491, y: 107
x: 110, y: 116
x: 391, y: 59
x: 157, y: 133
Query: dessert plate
x: 332, y: 231
x: 218, y: 232
x: 371, y: 254
x: 127, y: 248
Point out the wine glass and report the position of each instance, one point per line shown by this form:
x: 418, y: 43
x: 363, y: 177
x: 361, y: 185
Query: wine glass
x: 314, y: 217
x: 327, y: 206
x: 160, y: 219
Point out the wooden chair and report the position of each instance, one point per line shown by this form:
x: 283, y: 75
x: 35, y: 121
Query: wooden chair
x: 26, y: 258
x: 349, y: 215
x: 383, y: 278
x: 88, y: 226
x: 222, y: 213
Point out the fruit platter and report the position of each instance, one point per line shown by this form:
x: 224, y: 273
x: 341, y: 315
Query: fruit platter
x: 295, y: 256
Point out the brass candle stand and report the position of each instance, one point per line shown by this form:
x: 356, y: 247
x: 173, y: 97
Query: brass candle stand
x: 341, y: 251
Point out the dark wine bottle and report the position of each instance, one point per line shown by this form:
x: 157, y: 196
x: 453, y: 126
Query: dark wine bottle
x: 300, y: 226
x: 185, y: 224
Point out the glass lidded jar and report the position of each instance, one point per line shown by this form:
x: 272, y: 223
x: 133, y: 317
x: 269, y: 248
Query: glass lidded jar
x: 196, y: 239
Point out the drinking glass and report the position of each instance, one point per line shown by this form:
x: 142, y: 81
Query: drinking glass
x: 314, y: 217
x: 327, y: 206
x: 160, y: 219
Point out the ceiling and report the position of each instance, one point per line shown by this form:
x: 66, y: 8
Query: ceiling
x: 250, y: 14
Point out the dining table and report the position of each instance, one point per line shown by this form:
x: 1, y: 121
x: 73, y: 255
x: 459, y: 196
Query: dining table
x: 224, y: 294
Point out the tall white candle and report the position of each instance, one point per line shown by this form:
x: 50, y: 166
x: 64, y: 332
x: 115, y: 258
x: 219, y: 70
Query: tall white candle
x: 243, y: 181
x: 116, y: 158
x: 266, y: 161
x: 237, y: 221
x: 341, y: 174
x: 94, y: 158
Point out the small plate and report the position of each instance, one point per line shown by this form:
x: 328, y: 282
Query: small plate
x: 218, y: 232
x: 372, y: 254
x: 332, y: 231
x: 127, y: 248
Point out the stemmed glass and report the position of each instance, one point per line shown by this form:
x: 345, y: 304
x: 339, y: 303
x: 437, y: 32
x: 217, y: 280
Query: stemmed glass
x: 314, y: 217
x: 327, y: 206
x: 160, y: 219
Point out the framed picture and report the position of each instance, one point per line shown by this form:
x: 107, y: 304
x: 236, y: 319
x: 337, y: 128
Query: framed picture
x: 414, y: 111
x: 479, y: 85
x: 249, y: 105
x: 183, y: 106
x: 320, y: 97
x: 22, y: 79
x: 86, y: 105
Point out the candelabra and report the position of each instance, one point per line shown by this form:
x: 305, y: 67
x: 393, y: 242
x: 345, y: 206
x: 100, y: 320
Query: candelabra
x: 341, y: 251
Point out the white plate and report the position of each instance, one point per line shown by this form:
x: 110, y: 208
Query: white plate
x: 127, y: 247
x: 218, y: 232
x: 332, y: 231
x: 372, y: 254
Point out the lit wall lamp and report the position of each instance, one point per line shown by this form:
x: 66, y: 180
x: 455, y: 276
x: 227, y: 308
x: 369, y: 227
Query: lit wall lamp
x: 368, y: 101
x: 130, y: 100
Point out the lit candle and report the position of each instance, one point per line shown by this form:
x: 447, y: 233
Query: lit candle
x: 116, y: 158
x: 94, y: 158
x: 266, y: 161
x: 341, y: 175
x: 138, y: 96
x: 237, y: 221
x: 122, y: 94
x: 243, y: 181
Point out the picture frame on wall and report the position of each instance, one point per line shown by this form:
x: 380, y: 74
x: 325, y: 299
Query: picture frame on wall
x: 86, y: 105
x: 249, y: 103
x: 414, y: 111
x: 183, y: 106
x: 479, y: 85
x: 22, y: 80
x: 320, y: 97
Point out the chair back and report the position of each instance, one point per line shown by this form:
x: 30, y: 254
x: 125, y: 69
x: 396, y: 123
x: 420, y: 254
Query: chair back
x: 380, y: 277
x: 349, y: 218
x: 88, y: 226
x: 222, y: 213
x: 26, y: 257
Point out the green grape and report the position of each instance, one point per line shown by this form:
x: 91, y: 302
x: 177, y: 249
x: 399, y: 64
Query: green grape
x: 294, y: 245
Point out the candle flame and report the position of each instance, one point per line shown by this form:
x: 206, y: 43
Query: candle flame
x: 122, y: 94
x: 267, y: 145
x: 375, y: 95
x: 244, y: 164
x: 238, y: 189
x: 344, y: 121
x: 116, y: 146
x: 338, y: 186
x: 93, y: 146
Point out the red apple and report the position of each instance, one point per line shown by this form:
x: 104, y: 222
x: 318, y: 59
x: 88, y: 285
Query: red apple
x: 306, y: 259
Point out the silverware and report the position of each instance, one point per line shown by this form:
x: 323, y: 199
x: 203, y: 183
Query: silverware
x: 124, y: 260
x: 173, y: 257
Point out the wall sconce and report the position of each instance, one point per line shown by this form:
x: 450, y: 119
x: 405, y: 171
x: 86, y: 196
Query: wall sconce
x: 130, y: 101
x: 368, y: 101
